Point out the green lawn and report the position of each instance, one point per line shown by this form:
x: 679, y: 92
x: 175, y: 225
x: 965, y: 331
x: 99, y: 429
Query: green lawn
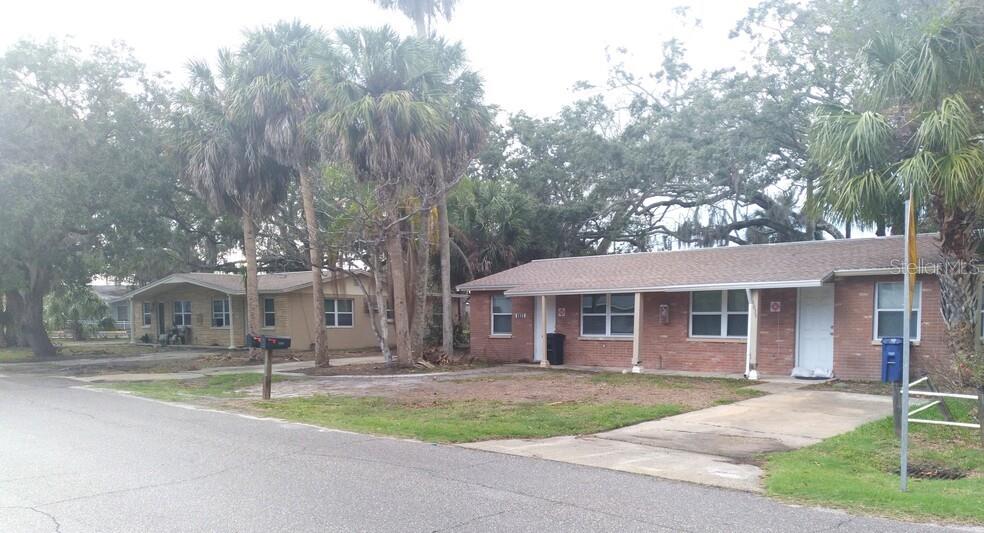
x: 219, y: 386
x: 463, y: 421
x: 77, y: 350
x: 858, y: 471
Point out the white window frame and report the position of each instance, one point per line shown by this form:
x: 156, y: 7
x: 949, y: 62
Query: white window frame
x: 224, y: 314
x: 272, y: 313
x: 336, y: 312
x: 147, y: 310
x: 185, y: 313
x: 723, y: 313
x: 917, y: 308
x: 608, y: 314
x: 493, y: 314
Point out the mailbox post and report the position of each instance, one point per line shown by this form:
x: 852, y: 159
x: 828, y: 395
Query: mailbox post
x: 268, y: 344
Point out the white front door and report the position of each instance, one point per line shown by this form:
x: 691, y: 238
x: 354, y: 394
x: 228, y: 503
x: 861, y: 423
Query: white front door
x: 537, y: 323
x: 815, y: 331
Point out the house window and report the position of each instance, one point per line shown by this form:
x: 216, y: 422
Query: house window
x: 269, y: 313
x: 598, y: 318
x: 220, y: 313
x: 338, y: 313
x: 890, y: 310
x: 719, y: 314
x: 501, y: 315
x: 182, y: 313
x: 148, y: 316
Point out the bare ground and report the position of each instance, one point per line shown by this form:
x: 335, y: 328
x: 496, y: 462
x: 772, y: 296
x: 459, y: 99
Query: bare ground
x: 512, y: 385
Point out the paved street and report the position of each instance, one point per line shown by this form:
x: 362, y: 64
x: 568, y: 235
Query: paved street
x: 78, y: 460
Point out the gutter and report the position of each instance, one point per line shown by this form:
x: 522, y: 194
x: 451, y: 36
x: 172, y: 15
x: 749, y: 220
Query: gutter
x: 673, y: 288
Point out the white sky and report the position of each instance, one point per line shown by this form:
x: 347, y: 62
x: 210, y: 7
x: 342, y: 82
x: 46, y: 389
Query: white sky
x: 529, y: 52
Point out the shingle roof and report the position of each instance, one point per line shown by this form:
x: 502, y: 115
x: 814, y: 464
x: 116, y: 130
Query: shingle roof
x: 799, y: 264
x: 233, y: 283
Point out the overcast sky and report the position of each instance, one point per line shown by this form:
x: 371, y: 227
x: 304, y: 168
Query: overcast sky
x: 529, y: 52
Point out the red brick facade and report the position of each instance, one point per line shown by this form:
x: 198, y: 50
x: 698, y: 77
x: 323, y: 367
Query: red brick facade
x: 668, y: 346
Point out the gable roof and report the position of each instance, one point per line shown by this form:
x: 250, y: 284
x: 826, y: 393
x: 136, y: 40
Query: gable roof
x: 233, y: 283
x: 798, y: 264
x: 110, y: 293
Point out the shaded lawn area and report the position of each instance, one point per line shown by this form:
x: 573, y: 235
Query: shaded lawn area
x: 859, y: 471
x: 466, y: 410
x: 77, y: 350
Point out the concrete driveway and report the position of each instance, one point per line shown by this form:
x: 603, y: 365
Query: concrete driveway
x: 715, y: 446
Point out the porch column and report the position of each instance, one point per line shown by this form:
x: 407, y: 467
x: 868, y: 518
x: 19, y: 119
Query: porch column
x: 133, y: 322
x: 637, y: 334
x: 751, y: 347
x: 541, y: 339
x: 232, y: 329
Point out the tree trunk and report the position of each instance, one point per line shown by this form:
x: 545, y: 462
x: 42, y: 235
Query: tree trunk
x: 252, y: 282
x: 317, y: 294
x: 394, y: 250
x: 382, y: 327
x: 32, y: 324
x: 13, y: 317
x: 444, y: 235
x: 811, y: 222
x: 420, y: 318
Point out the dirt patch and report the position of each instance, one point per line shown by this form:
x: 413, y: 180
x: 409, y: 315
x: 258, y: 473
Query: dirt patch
x: 510, y: 385
x: 378, y: 369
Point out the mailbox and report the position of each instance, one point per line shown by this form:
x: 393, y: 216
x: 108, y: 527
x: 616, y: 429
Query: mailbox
x: 267, y: 342
x: 891, y: 359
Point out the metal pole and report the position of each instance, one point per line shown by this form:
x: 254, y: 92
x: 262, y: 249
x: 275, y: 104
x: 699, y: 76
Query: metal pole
x: 904, y: 437
x: 267, y: 373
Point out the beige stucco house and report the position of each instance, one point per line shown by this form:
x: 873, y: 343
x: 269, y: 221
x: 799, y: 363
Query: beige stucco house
x: 210, y: 310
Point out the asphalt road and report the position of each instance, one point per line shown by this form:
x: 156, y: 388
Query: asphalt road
x: 73, y: 460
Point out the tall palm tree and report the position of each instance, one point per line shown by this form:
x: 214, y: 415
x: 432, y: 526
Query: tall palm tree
x: 222, y: 161
x: 424, y: 13
x: 921, y: 133
x: 279, y: 95
x: 384, y: 118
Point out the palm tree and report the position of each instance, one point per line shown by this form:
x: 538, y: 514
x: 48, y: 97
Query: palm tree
x: 423, y: 13
x: 222, y: 161
x: 279, y: 95
x: 922, y: 133
x: 384, y: 118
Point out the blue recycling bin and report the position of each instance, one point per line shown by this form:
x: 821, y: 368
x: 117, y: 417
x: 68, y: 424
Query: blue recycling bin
x: 891, y: 360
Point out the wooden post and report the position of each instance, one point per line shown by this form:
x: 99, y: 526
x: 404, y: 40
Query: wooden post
x: 541, y: 340
x: 267, y: 373
x: 637, y: 334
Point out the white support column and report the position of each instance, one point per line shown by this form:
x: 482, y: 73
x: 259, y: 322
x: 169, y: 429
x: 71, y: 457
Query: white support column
x: 133, y: 322
x: 637, y: 334
x: 751, y: 346
x: 541, y: 339
x: 232, y: 328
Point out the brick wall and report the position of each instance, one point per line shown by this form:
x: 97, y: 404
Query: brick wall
x: 514, y: 348
x: 856, y: 354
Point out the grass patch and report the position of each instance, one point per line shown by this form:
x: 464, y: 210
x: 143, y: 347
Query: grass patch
x: 462, y: 421
x: 218, y: 386
x: 858, y: 471
x: 739, y: 386
x: 76, y: 350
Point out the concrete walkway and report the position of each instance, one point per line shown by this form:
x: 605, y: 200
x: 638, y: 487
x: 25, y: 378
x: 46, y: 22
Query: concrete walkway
x: 715, y: 446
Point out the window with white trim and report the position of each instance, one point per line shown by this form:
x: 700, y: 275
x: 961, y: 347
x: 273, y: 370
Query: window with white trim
x: 269, y: 313
x: 890, y: 309
x: 501, y: 315
x: 338, y: 313
x: 220, y: 313
x: 719, y: 314
x: 182, y: 313
x: 608, y: 315
x: 148, y: 317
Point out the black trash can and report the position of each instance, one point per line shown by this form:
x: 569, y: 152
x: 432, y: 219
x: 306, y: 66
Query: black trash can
x: 555, y: 348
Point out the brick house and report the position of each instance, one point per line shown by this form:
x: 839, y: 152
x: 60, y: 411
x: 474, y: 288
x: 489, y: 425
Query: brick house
x: 818, y: 307
x: 211, y: 308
